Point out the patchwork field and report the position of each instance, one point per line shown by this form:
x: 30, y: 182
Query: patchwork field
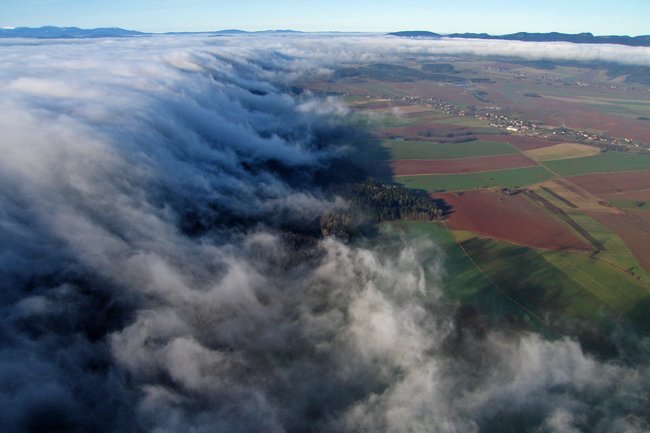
x: 583, y: 115
x: 609, y: 247
x: 573, y: 243
x: 512, y: 178
x: 602, y: 163
x: 424, y: 130
x: 428, y: 150
x: 462, y: 276
x: 521, y: 142
x: 641, y: 215
x: 613, y: 184
x: 634, y: 232
x: 462, y: 279
x: 572, y: 196
x: 512, y: 218
x: 562, y: 151
x: 556, y: 285
x: 632, y: 201
x: 407, y: 167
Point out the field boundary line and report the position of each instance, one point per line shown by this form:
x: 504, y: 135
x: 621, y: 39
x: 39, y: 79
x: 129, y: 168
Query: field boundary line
x: 501, y: 290
x: 471, y: 172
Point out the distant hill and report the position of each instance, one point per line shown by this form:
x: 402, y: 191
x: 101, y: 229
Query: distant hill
x: 580, y: 38
x: 229, y: 32
x: 52, y: 32
x: 240, y: 32
x: 416, y: 34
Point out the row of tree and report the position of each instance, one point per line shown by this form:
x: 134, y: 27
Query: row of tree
x: 373, y: 201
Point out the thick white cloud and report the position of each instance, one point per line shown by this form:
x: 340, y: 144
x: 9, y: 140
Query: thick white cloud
x: 147, y: 283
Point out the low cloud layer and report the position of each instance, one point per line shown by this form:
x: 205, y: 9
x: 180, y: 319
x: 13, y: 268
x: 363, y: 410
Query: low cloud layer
x: 148, y: 281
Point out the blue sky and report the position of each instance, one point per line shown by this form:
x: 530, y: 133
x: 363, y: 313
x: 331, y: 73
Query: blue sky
x: 496, y: 16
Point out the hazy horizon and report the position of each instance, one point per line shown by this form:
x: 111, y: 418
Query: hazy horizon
x: 293, y: 30
x: 627, y: 17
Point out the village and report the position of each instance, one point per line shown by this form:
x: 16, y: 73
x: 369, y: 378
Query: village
x: 497, y: 119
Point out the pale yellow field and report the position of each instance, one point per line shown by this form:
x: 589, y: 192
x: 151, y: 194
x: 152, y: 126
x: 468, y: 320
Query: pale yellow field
x: 462, y: 235
x: 562, y: 151
x: 569, y: 196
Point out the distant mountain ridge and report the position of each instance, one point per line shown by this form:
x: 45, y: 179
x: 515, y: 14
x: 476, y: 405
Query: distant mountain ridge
x: 579, y: 38
x: 244, y: 32
x: 53, y: 32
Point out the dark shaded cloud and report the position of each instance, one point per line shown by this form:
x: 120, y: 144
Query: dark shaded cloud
x: 148, y: 281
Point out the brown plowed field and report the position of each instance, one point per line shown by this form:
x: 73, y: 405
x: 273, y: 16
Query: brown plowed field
x: 635, y: 233
x: 439, y: 130
x: 521, y: 142
x: 405, y: 167
x: 642, y: 215
x: 609, y: 184
x: 641, y: 195
x: 578, y: 115
x: 509, y: 218
x: 429, y: 89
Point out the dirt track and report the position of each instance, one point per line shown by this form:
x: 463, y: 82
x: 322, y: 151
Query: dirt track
x: 521, y: 142
x: 633, y: 231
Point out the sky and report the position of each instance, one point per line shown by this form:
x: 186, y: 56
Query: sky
x: 496, y: 17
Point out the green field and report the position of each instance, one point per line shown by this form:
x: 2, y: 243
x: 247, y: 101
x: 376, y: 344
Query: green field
x: 461, y: 278
x: 511, y: 178
x: 462, y: 281
x: 542, y: 287
x: 611, y: 248
x: 558, y: 285
x: 604, y: 162
x: 631, y: 204
x: 427, y: 150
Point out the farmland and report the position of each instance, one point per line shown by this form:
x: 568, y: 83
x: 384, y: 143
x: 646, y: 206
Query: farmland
x: 544, y: 172
x: 522, y: 142
x: 513, y: 178
x: 559, y: 283
x: 609, y: 184
x: 407, y: 167
x: 603, y: 163
x: 428, y: 150
x: 512, y: 218
x: 635, y: 233
x: 562, y: 151
x: 642, y: 204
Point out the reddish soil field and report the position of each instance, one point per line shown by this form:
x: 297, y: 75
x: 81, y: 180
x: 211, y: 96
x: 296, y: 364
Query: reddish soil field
x: 576, y: 116
x: 521, y: 142
x: 415, y: 130
x: 463, y: 165
x: 431, y: 89
x: 642, y: 215
x: 611, y: 184
x: 375, y: 106
x: 634, y: 232
x: 509, y: 218
x: 643, y: 195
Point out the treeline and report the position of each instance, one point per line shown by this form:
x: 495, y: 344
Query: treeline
x: 374, y: 201
x: 387, y: 202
